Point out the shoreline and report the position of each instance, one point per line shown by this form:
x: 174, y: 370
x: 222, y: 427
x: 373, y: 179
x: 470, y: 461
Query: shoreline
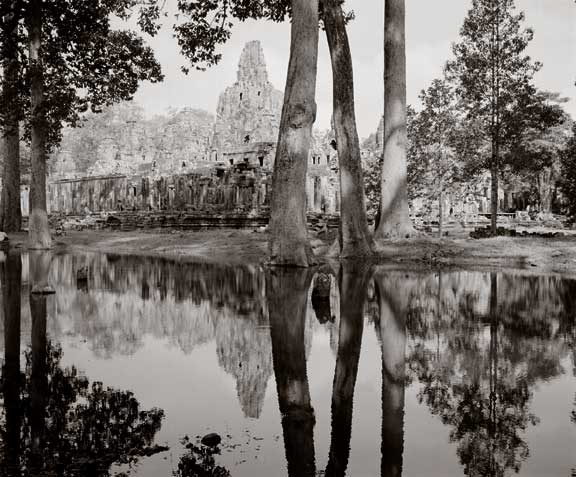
x: 534, y: 255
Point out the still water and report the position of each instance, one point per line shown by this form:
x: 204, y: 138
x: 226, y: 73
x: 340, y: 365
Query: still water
x: 359, y: 371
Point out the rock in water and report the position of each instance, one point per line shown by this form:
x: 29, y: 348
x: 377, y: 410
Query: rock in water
x: 3, y: 237
x: 211, y: 440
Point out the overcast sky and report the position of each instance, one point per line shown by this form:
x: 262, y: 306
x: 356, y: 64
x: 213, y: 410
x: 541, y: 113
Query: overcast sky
x: 431, y: 27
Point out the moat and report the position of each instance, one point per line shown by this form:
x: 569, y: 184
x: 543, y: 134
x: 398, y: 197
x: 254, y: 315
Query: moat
x: 358, y: 371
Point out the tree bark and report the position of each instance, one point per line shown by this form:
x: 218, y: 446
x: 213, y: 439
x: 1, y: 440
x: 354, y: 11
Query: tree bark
x: 10, y: 211
x: 393, y: 218
x: 289, y: 244
x: 354, y: 237
x: 353, y: 285
x: 287, y: 296
x: 38, y: 229
x: 11, y: 287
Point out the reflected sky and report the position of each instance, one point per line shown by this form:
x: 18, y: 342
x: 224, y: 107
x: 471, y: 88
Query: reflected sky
x: 354, y: 370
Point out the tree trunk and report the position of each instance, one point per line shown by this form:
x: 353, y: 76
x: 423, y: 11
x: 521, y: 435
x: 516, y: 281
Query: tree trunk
x: 10, y: 211
x: 354, y: 234
x: 545, y: 189
x: 393, y: 305
x: 393, y: 218
x: 494, y: 193
x: 38, y: 230
x: 440, y: 211
x: 11, y: 288
x: 287, y: 296
x: 289, y: 244
x: 353, y: 285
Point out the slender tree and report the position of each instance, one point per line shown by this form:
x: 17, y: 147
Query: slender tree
x: 434, y: 132
x: 10, y: 115
x: 393, y: 220
x: 494, y: 76
x: 354, y: 237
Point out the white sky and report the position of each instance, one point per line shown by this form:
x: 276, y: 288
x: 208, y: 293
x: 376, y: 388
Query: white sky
x: 431, y: 27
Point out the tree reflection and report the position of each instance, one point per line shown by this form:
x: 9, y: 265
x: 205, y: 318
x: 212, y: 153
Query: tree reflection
x: 392, y: 293
x: 353, y: 283
x: 10, y: 274
x: 287, y: 294
x: 57, y: 423
x: 478, y: 368
x: 199, y: 461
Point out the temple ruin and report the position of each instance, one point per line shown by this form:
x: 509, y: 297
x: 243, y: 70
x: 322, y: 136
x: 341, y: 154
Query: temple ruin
x: 194, y: 162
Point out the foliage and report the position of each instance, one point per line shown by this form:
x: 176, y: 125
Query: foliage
x: 87, y: 64
x: 208, y: 24
x: 432, y: 140
x: 492, y: 74
x: 568, y: 183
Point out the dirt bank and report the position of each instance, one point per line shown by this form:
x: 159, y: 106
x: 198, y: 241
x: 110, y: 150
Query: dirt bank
x: 535, y: 255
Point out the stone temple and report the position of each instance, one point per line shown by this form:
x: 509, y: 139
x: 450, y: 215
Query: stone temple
x: 248, y: 113
x: 192, y: 161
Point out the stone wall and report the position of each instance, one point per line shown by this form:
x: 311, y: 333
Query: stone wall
x: 238, y: 189
x: 224, y: 191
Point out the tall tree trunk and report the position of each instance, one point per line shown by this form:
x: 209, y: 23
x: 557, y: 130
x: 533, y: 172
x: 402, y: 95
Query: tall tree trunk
x: 287, y: 296
x: 393, y: 307
x: 289, y: 244
x: 38, y: 230
x: 494, y: 192
x: 354, y: 234
x: 10, y: 211
x: 393, y: 218
x: 353, y: 285
x: 11, y: 375
x: 440, y: 210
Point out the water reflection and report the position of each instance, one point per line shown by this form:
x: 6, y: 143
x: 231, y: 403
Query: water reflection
x: 287, y: 294
x: 472, y: 348
x: 392, y: 296
x: 10, y: 274
x: 353, y: 281
x: 479, y: 367
x: 55, y: 421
